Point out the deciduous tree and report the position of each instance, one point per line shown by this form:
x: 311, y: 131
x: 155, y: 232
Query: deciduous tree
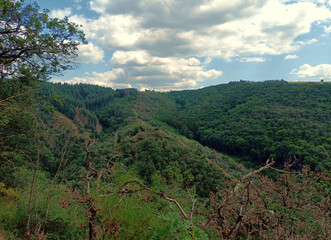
x: 33, y: 45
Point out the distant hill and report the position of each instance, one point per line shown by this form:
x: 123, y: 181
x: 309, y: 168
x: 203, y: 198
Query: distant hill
x: 133, y: 128
x: 256, y: 121
x: 251, y: 120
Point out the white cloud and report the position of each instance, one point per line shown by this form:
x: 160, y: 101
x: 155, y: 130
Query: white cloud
x: 154, y: 40
x: 288, y: 57
x: 161, y: 73
x: 213, y: 28
x: 311, y: 41
x: 306, y: 71
x: 60, y: 13
x: 144, y: 71
x: 106, y: 79
x: 113, y: 32
x: 88, y: 53
x: 253, y: 59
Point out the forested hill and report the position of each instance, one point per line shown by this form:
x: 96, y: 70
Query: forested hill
x: 142, y: 139
x: 254, y: 121
x: 88, y: 162
x: 276, y: 119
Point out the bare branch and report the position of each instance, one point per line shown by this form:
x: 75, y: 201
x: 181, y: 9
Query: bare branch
x: 258, y: 170
x: 161, y: 194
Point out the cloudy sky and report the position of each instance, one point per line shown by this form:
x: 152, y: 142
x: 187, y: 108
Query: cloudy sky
x: 188, y: 44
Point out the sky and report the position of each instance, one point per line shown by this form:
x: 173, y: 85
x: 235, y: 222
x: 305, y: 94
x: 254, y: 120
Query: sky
x: 189, y: 44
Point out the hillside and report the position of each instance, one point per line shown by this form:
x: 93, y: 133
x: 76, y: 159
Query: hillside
x: 250, y: 121
x: 97, y: 163
x: 134, y: 120
x: 257, y: 121
x: 253, y: 121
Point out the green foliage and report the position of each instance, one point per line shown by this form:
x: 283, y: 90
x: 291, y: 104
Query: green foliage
x: 61, y: 223
x: 93, y: 107
x: 173, y: 227
x: 23, y: 61
x: 7, y: 192
x: 143, y: 214
x: 126, y: 218
x: 89, y: 97
x: 180, y: 161
x: 257, y: 121
x: 23, y: 28
x: 16, y: 123
x: 143, y: 170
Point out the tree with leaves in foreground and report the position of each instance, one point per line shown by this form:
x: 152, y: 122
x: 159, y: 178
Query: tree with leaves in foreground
x: 33, y: 47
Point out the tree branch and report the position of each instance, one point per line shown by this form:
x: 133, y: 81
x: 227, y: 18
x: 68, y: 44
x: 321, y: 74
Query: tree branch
x: 258, y: 170
x: 161, y: 194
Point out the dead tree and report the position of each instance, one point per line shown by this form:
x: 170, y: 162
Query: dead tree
x: 267, y: 209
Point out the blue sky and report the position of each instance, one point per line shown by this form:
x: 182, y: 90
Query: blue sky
x: 188, y: 44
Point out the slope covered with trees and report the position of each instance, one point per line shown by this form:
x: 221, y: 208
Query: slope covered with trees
x: 257, y: 121
x: 133, y: 131
x: 253, y: 121
x: 141, y: 170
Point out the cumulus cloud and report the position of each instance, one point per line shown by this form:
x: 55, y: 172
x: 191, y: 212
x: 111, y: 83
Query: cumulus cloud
x: 161, y: 73
x: 144, y: 71
x: 253, y: 59
x: 306, y: 71
x: 213, y: 28
x: 106, y: 79
x: 60, y: 13
x: 154, y: 40
x: 288, y: 57
x: 88, y: 53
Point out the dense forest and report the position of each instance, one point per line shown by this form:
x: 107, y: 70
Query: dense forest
x: 244, y: 160
x: 254, y: 121
x: 257, y: 121
x: 99, y: 146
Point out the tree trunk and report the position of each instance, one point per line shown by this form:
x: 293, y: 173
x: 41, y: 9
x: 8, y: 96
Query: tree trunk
x: 34, y: 180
